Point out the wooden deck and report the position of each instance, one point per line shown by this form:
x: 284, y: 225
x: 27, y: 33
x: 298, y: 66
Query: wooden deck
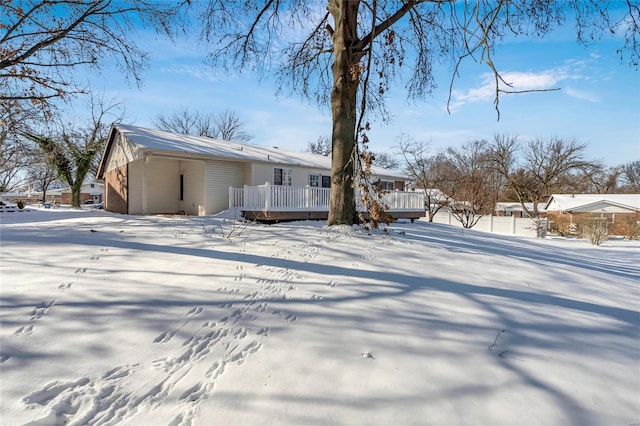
x: 274, y: 217
x: 274, y: 203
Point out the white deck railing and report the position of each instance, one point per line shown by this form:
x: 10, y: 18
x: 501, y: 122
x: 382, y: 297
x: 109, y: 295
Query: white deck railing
x: 273, y: 198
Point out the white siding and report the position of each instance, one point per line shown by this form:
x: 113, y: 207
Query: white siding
x: 193, y: 186
x: 162, y: 188
x: 262, y: 173
x: 602, y: 207
x: 121, y: 153
x: 134, y: 190
x: 220, y: 175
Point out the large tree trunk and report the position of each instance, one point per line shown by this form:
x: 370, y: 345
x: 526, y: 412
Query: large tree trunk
x: 75, y: 194
x: 345, y: 68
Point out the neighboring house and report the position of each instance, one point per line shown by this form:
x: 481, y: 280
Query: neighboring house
x: 515, y: 209
x: 90, y: 193
x: 567, y: 210
x: 148, y: 171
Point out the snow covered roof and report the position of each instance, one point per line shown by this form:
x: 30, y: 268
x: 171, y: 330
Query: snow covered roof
x: 159, y: 141
x: 568, y: 202
x: 512, y: 206
x: 91, y: 188
x: 517, y: 207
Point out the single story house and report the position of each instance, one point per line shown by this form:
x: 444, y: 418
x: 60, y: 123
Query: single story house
x: 90, y: 193
x: 567, y: 210
x: 516, y: 209
x: 147, y: 171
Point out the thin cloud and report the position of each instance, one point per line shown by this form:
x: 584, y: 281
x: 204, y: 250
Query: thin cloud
x: 581, y: 94
x: 521, y: 81
x: 200, y: 72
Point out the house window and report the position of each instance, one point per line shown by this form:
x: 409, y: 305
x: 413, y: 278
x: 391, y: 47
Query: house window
x: 609, y: 217
x: 314, y: 180
x: 326, y: 181
x: 181, y: 187
x: 386, y: 185
x: 282, y: 176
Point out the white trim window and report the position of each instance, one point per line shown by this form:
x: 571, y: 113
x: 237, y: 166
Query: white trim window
x: 314, y: 180
x: 282, y: 176
x: 386, y: 185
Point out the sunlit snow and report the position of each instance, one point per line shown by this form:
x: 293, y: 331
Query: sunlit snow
x: 160, y: 320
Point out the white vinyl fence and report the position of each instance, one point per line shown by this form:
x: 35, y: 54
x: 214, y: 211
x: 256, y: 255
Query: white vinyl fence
x: 496, y: 224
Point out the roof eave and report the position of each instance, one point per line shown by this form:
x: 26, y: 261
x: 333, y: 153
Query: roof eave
x: 105, y: 152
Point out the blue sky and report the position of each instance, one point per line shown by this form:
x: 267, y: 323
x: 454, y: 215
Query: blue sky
x: 598, y: 102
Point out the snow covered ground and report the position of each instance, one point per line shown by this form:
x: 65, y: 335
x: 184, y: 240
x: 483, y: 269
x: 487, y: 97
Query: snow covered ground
x: 113, y: 319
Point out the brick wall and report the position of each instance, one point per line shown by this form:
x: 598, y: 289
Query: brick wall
x: 116, y: 190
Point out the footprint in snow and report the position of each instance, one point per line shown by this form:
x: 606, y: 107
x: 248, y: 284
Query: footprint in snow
x: 23, y: 331
x: 119, y: 372
x: 41, y: 310
x: 165, y: 337
x: 194, y: 311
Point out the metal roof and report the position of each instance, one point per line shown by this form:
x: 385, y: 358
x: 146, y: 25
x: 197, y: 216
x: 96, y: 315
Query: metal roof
x: 152, y: 140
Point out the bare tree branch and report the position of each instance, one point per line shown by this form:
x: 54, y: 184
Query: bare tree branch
x: 225, y: 125
x: 46, y: 39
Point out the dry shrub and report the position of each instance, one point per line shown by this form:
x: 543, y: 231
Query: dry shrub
x: 596, y: 230
x: 371, y: 193
x: 562, y: 224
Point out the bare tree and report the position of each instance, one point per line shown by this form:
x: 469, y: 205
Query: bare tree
x: 631, y: 176
x: 225, y: 125
x: 385, y: 161
x: 42, y: 173
x: 471, y: 182
x: 347, y: 55
x: 597, y: 179
x: 14, y: 157
x: 72, y: 150
x: 322, y: 146
x: 43, y: 42
x: 543, y: 168
x: 427, y: 172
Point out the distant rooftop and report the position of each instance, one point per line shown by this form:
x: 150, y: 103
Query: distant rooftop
x: 563, y: 202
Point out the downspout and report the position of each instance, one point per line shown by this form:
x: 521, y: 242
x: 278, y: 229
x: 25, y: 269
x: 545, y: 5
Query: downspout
x: 147, y: 158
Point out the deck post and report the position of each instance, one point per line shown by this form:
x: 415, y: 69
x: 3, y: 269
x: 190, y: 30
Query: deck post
x: 267, y: 197
x: 307, y: 197
x: 231, y: 198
